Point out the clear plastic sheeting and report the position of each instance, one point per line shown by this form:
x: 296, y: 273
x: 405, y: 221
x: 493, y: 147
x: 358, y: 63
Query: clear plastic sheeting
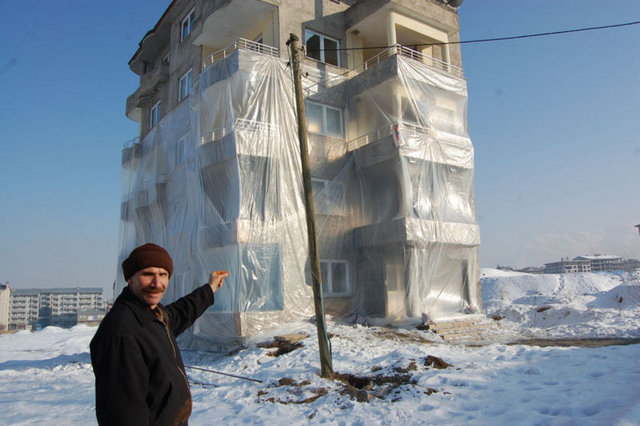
x: 218, y: 183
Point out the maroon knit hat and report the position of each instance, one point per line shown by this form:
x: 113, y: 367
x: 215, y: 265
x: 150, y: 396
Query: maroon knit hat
x: 146, y: 256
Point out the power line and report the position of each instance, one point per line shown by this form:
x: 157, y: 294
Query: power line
x: 487, y: 40
x: 602, y: 27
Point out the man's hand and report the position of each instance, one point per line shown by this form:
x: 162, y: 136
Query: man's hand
x: 216, y: 278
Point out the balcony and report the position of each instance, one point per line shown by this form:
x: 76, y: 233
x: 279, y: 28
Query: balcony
x: 411, y: 54
x: 240, y: 44
x: 131, y: 151
x: 150, y: 85
x: 416, y: 142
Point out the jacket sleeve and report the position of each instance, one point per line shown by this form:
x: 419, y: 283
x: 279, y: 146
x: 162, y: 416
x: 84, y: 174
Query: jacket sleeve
x: 186, y: 310
x: 121, y: 385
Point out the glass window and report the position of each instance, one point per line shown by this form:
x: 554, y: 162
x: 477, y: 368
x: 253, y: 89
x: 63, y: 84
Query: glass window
x: 314, y: 118
x: 324, y: 120
x: 333, y: 122
x: 322, y: 48
x: 313, y: 46
x: 154, y: 114
x: 330, y: 51
x: 339, y: 277
x: 187, y: 25
x: 335, y: 277
x: 181, y: 149
x: 185, y: 85
x: 317, y: 185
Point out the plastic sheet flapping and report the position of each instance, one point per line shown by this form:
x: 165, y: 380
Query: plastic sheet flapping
x: 218, y: 183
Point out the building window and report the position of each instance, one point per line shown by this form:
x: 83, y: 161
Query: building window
x: 324, y: 120
x: 335, y: 277
x: 185, y: 86
x: 187, y: 24
x: 154, y: 114
x: 181, y: 149
x: 317, y: 185
x: 322, y: 48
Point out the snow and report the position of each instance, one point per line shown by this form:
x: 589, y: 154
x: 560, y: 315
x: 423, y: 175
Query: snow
x: 46, y: 376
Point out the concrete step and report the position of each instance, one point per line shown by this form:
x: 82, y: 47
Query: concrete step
x: 472, y: 330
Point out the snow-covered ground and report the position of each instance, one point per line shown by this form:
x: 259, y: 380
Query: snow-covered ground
x: 46, y: 377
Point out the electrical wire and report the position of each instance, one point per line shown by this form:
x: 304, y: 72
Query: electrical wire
x: 602, y: 27
x: 487, y: 40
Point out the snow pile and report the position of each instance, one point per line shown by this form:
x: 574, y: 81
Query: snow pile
x: 564, y: 305
x: 46, y: 377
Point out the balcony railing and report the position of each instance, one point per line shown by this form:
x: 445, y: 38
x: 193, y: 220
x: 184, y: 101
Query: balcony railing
x: 412, y: 54
x: 239, y: 124
x: 240, y: 43
x: 392, y: 129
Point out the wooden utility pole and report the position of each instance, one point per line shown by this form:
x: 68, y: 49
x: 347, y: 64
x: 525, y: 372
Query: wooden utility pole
x: 323, y: 339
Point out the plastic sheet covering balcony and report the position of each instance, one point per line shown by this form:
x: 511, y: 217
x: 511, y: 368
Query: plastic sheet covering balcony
x: 218, y: 183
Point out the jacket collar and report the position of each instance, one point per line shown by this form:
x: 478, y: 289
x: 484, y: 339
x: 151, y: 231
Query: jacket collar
x: 140, y: 310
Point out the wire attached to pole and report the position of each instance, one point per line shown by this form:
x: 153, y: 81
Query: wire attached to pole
x: 224, y: 374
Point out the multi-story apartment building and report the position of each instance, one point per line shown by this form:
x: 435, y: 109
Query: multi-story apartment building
x: 603, y: 262
x: 592, y: 263
x: 51, y: 306
x: 566, y: 266
x: 215, y: 175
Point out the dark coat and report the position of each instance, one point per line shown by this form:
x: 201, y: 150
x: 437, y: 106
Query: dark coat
x: 140, y: 377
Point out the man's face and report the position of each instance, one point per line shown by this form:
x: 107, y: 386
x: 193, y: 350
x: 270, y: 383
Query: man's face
x: 149, y: 285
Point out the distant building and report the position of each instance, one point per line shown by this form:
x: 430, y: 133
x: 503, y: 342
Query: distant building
x: 29, y: 308
x: 91, y: 317
x: 593, y: 263
x: 603, y: 262
x: 5, y: 295
x: 525, y: 270
x: 566, y: 266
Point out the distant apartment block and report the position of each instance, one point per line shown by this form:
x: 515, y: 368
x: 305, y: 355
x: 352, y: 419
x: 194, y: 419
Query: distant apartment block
x: 594, y: 263
x: 38, y: 307
x: 91, y: 317
x: 5, y: 295
x: 566, y: 266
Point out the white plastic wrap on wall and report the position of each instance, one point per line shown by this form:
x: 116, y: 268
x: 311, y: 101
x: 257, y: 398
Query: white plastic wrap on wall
x: 218, y: 183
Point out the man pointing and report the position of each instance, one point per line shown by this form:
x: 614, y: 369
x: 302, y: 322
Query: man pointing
x: 140, y: 376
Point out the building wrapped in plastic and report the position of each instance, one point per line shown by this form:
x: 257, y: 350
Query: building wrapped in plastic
x: 217, y: 181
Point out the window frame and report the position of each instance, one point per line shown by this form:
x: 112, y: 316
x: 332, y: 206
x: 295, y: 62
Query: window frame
x: 185, y: 89
x: 323, y: 131
x: 310, y: 33
x: 187, y: 24
x: 154, y: 114
x: 181, y: 149
x: 327, y: 287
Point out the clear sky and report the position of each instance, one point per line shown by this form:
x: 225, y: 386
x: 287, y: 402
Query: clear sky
x: 555, y: 122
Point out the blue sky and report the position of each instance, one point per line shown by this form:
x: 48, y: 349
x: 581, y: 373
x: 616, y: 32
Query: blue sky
x: 554, y: 121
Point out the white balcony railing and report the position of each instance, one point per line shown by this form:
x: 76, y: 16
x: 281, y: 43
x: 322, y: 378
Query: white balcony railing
x: 412, y: 54
x: 392, y: 129
x: 240, y: 124
x: 240, y: 44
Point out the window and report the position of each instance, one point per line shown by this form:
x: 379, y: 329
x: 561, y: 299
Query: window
x: 187, y: 24
x: 322, y: 48
x: 154, y: 114
x: 181, y: 149
x: 185, y: 86
x: 335, y: 277
x: 324, y: 120
x: 317, y: 185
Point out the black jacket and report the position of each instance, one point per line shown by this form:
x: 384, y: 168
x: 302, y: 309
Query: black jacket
x: 140, y: 377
